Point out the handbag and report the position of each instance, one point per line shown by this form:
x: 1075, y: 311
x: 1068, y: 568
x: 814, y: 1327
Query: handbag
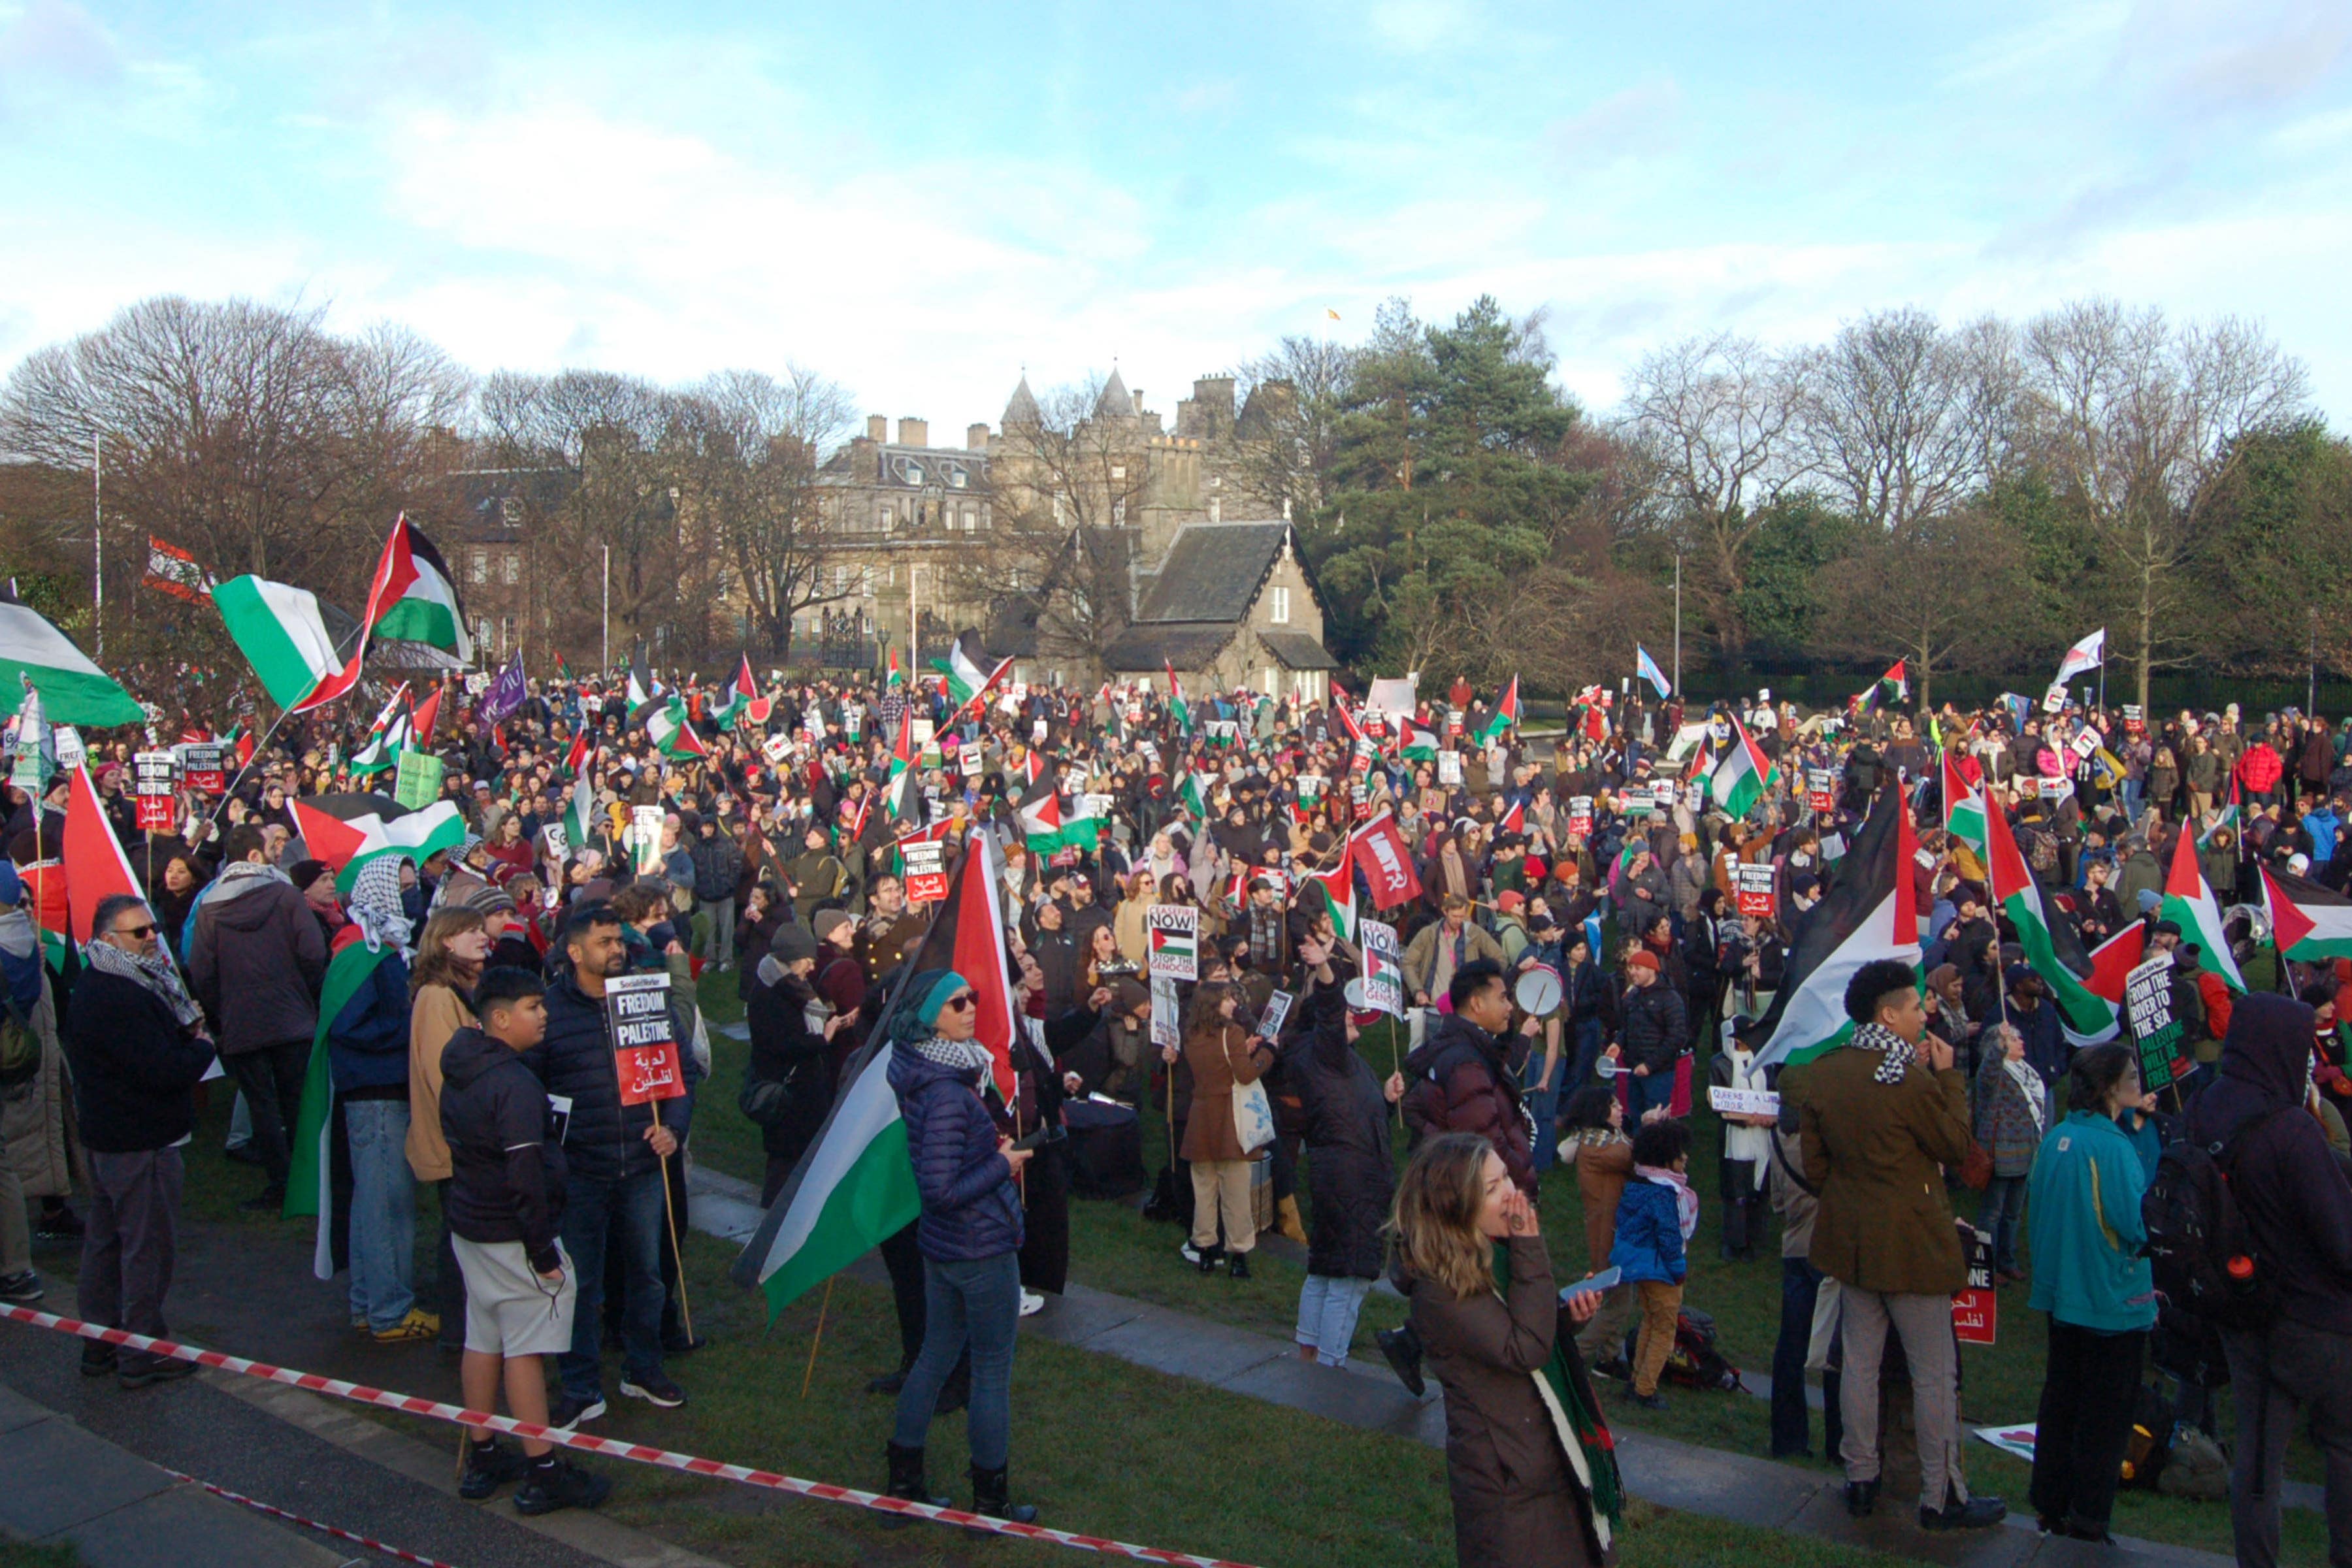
x: 1253, y: 1114
x: 1976, y: 1169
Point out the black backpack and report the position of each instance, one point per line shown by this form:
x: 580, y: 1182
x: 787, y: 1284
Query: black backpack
x: 2201, y: 1251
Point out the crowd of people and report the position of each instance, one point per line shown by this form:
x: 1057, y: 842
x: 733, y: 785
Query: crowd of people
x: 1602, y: 859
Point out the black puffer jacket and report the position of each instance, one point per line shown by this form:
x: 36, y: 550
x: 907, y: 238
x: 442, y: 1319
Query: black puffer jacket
x: 787, y: 1081
x: 607, y: 1140
x: 718, y: 865
x: 507, y: 1170
x: 1350, y: 1177
x: 134, y: 1069
x: 1656, y: 1026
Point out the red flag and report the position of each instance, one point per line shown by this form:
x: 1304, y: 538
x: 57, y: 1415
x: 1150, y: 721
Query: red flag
x: 967, y: 935
x: 95, y: 868
x: 1379, y: 850
x: 1516, y: 819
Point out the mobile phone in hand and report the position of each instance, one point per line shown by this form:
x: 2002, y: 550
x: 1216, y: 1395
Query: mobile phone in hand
x: 1601, y: 1281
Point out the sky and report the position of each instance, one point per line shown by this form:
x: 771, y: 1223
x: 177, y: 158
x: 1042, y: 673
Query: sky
x: 921, y: 201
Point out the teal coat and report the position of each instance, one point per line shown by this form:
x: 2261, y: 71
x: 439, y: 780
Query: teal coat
x: 2082, y: 1213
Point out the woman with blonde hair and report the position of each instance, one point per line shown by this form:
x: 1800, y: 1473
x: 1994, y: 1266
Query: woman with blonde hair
x: 1527, y: 1456
x: 449, y: 958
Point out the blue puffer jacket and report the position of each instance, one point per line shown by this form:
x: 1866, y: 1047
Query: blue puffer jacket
x: 971, y: 1209
x: 367, y: 1045
x: 1649, y: 1243
x: 605, y: 1140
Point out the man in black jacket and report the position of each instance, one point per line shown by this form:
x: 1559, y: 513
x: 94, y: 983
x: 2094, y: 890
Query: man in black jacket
x: 614, y: 1153
x: 1656, y: 1028
x: 137, y: 1045
x: 504, y: 1199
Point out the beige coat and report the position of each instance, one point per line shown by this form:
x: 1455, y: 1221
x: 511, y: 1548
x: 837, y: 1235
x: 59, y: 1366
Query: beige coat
x: 437, y: 1014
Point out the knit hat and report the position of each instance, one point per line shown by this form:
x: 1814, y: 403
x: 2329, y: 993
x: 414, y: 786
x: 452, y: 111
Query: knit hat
x: 791, y: 943
x: 930, y: 997
x: 1510, y: 901
x: 827, y: 921
x: 1642, y: 958
x: 302, y: 873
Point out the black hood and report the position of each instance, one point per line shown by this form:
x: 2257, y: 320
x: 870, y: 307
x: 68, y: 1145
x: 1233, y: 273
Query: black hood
x: 471, y: 1053
x: 2268, y: 1048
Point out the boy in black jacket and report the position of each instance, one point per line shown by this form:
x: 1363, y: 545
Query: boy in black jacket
x: 504, y: 1195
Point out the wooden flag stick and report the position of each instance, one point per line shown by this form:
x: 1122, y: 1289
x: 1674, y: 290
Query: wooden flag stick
x: 817, y: 1339
x: 685, y: 1307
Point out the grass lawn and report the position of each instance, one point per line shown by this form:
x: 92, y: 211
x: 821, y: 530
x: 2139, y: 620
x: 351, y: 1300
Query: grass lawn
x: 1113, y: 1247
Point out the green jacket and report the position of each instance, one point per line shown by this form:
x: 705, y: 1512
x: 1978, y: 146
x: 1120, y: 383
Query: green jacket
x: 2082, y: 1212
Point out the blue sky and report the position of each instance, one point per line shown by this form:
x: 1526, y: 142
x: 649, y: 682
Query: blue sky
x: 917, y: 200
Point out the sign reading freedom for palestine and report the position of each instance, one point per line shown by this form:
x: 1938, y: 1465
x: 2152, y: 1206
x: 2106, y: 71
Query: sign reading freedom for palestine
x: 644, y: 1049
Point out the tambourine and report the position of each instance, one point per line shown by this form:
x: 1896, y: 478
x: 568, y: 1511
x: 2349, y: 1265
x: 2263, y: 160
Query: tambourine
x: 1538, y: 992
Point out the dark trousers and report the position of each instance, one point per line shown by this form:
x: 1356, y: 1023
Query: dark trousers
x: 2087, y: 1383
x: 626, y: 1215
x: 1800, y: 1287
x: 1743, y: 1206
x: 128, y: 1243
x: 448, y: 1279
x: 2305, y: 1372
x: 271, y: 1078
x: 616, y: 1273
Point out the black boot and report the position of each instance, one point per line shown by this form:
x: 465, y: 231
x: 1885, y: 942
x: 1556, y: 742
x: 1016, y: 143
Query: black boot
x: 1402, y: 1347
x: 1209, y: 1256
x: 1239, y: 1267
x: 908, y: 1481
x: 991, y: 1495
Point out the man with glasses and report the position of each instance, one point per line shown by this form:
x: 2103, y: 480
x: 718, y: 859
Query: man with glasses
x: 137, y: 1045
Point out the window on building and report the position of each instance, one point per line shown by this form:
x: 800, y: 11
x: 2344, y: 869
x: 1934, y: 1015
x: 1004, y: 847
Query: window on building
x: 479, y: 566
x: 506, y: 634
x: 914, y: 473
x: 482, y: 634
x: 1216, y: 509
x: 885, y: 520
x: 510, y: 508
x: 1267, y: 685
x: 514, y: 566
x: 1118, y: 471
x: 1278, y: 612
x: 956, y: 478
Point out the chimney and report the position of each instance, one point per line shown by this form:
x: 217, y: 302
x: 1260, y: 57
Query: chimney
x: 914, y: 432
x: 1137, y: 395
x: 975, y: 438
x: 877, y: 428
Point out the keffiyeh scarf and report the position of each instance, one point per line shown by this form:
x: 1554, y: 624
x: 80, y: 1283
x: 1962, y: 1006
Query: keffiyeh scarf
x: 376, y: 906
x: 154, y: 969
x: 1898, y: 1051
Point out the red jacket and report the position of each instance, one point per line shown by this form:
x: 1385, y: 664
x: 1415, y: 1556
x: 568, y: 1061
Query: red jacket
x: 2260, y: 768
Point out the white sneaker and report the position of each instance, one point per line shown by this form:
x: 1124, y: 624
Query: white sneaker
x: 1032, y: 1303
x: 1192, y: 1253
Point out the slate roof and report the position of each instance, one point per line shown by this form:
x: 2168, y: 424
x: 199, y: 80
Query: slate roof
x: 1115, y: 401
x: 1214, y: 571
x: 1296, y: 650
x: 1021, y: 409
x: 1192, y: 644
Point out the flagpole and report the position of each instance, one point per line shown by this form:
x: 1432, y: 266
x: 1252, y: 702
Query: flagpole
x: 259, y: 747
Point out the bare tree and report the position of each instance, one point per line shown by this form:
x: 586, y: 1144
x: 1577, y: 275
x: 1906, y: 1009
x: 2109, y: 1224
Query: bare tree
x: 1715, y: 419
x: 2139, y: 422
x: 1290, y: 424
x: 1894, y: 417
x: 1946, y: 591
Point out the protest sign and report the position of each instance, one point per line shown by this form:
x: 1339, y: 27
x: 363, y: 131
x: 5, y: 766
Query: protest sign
x: 1454, y: 723
x: 2084, y: 743
x: 645, y: 838
x: 558, y: 844
x: 1580, y: 814
x: 1821, y: 790
x: 920, y: 730
x: 776, y: 748
x: 927, y: 869
x: 155, y: 775
x: 645, y: 1048
x: 969, y: 760
x: 71, y: 752
x: 1167, y: 1027
x: 417, y: 780
x: 1449, y: 768
x: 1383, y: 966
x: 1753, y: 888
x: 1173, y: 933
x: 201, y: 764
x: 2133, y: 723
x: 1742, y: 1101
x: 2148, y: 1013
x: 1976, y: 1311
x: 2055, y: 699
x: 1276, y: 1014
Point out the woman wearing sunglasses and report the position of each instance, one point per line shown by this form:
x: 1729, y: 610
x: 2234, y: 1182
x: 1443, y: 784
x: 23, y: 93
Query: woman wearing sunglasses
x: 969, y: 1234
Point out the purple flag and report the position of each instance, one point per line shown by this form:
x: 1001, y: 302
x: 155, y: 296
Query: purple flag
x: 504, y: 694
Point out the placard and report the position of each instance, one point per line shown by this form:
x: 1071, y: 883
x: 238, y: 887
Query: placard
x: 969, y: 759
x: 1449, y: 768
x: 71, y: 752
x: 645, y: 838
x: 2055, y: 699
x: 1172, y: 935
x: 154, y: 778
x: 777, y: 747
x: 201, y: 764
x: 1580, y: 814
x: 926, y: 875
x: 558, y: 846
x: 2134, y: 724
x: 2084, y: 743
x: 1752, y: 884
x: 1276, y: 1014
x: 417, y: 780
x: 1454, y: 723
x: 1383, y: 967
x: 2056, y: 789
x: 1167, y: 1026
x: 1832, y: 846
x: 2148, y: 1013
x: 645, y: 1048
x: 1821, y: 790
x: 1310, y: 787
x: 1038, y: 728
x: 920, y: 730
x: 1976, y: 1311
x: 1742, y: 1101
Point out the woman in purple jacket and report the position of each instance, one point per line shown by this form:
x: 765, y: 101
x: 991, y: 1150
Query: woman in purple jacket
x: 970, y: 1233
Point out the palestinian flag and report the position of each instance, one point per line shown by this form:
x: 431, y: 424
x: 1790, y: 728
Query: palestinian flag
x: 900, y: 798
x: 1740, y: 779
x: 1420, y: 745
x: 327, y: 836
x: 416, y: 836
x: 1178, y: 709
x: 1193, y: 795
x: 1506, y: 714
x: 575, y: 760
x: 2308, y: 923
x: 1046, y: 828
x: 643, y: 686
x: 387, y: 737
x: 1964, y: 807
x: 1886, y: 692
x: 2042, y: 932
x: 1337, y: 888
x: 1869, y: 912
x: 2188, y: 901
x: 736, y: 698
x: 420, y: 601
x: 1033, y: 765
x: 1513, y: 820
x: 423, y: 719
x: 2228, y: 819
x: 94, y: 864
x: 73, y: 690
x: 348, y: 970
x: 967, y: 682
x: 579, y: 812
x: 669, y: 731
x: 282, y: 633
x: 562, y: 671
x: 897, y: 677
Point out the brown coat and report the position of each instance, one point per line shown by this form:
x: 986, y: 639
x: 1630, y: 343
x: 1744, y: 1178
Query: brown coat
x: 36, y: 1124
x: 436, y: 1014
x: 1874, y: 1149
x: 1219, y: 1058
x: 1516, y: 1503
x: 1602, y: 1170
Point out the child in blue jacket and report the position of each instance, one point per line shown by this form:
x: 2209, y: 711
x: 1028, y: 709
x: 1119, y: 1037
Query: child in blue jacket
x: 1654, y: 1219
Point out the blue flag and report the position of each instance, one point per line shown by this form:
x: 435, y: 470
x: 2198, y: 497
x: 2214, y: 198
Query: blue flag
x: 1647, y: 669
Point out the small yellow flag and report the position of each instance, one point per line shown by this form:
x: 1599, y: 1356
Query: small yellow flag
x: 1330, y: 313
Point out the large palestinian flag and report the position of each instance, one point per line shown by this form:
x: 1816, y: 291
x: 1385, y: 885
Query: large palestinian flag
x: 1740, y: 780
x: 1964, y: 807
x: 2309, y: 923
x: 1869, y: 912
x: 347, y: 968
x: 900, y: 797
x: 283, y: 634
x: 2090, y: 1019
x: 2188, y: 901
x: 420, y: 602
x: 73, y: 690
x: 670, y: 731
x: 1048, y: 829
x: 1506, y: 714
x: 855, y: 1185
x: 967, y: 682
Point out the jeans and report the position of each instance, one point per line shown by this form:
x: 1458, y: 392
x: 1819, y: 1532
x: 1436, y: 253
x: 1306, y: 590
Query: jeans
x: 2000, y: 1211
x: 976, y: 1300
x: 719, y: 938
x: 2134, y: 791
x: 628, y: 1211
x: 128, y: 1243
x: 2085, y: 1420
x: 1589, y: 1038
x: 1327, y: 1306
x: 384, y: 1213
x: 1641, y: 1093
x: 2309, y: 1373
x: 1543, y: 1104
x: 271, y: 1080
x: 1801, y: 1287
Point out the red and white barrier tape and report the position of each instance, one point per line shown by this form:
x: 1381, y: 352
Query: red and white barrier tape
x: 338, y: 1533
x: 409, y: 1405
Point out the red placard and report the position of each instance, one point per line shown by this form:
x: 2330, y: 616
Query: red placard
x: 205, y: 767
x: 645, y: 1048
x: 927, y: 871
x: 1976, y: 1311
x: 157, y: 813
x: 1752, y: 885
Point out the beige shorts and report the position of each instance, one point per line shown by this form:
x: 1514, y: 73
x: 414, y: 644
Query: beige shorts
x: 509, y: 1309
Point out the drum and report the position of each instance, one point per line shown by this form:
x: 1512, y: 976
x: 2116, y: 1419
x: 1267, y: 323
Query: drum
x: 1538, y: 992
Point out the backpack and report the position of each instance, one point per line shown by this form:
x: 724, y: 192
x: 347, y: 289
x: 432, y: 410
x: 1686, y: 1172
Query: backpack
x: 2200, y: 1250
x: 1695, y: 1361
x: 20, y: 1046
